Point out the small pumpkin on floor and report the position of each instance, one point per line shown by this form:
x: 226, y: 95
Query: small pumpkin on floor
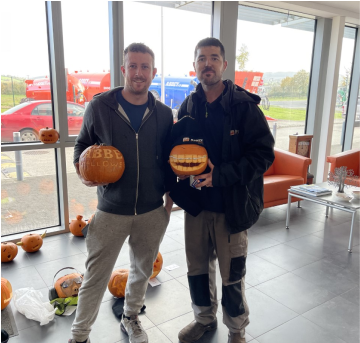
x: 158, y: 263
x: 32, y: 242
x: 6, y: 293
x: 77, y: 225
x: 9, y: 251
x: 68, y: 285
x: 118, y: 282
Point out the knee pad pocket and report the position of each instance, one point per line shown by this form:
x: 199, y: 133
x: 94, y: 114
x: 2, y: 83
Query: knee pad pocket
x: 237, y: 268
x: 200, y: 289
x: 232, y: 299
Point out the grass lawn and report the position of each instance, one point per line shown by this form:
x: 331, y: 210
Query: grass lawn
x: 7, y: 101
x: 273, y: 98
x: 290, y: 113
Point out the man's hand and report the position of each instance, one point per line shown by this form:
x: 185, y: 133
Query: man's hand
x: 87, y: 183
x: 208, y: 177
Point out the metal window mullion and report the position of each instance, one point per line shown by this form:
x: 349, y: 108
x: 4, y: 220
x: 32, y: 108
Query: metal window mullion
x: 224, y: 28
x: 116, y: 42
x: 353, y: 96
x: 58, y: 83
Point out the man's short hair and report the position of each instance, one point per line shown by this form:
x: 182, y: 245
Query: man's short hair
x: 210, y: 41
x: 139, y: 47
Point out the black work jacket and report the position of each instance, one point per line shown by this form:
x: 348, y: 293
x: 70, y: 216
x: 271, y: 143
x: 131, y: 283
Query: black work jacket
x: 247, y: 152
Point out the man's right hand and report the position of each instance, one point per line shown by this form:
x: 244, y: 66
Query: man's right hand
x: 87, y: 183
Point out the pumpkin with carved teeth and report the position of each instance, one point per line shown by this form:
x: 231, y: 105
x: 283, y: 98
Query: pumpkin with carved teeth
x: 8, y: 251
x: 188, y: 159
x: 48, y: 135
x: 117, y: 283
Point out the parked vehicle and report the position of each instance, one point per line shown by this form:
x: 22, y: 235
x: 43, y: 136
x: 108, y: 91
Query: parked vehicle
x: 31, y: 116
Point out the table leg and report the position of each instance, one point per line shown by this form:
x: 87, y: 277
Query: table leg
x: 327, y: 211
x: 288, y: 211
x: 352, y: 231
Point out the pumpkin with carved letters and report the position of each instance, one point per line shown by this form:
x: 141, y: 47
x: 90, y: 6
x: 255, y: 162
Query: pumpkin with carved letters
x: 188, y: 159
x: 101, y: 164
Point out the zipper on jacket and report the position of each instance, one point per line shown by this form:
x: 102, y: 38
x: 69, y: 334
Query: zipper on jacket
x: 137, y: 153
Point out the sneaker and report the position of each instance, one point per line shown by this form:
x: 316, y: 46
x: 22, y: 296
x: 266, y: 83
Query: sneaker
x: 194, y: 331
x: 236, y: 337
x: 73, y: 341
x: 132, y: 327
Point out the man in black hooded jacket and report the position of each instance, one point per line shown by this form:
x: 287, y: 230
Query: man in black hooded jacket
x: 240, y: 149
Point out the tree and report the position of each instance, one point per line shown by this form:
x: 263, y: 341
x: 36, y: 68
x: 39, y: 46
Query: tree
x: 301, y: 82
x: 243, y: 57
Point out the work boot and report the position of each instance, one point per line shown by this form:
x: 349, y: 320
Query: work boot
x: 236, y: 337
x: 194, y: 331
x: 132, y: 327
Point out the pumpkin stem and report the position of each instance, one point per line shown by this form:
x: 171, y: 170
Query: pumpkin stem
x: 19, y: 243
x: 79, y: 217
x: 43, y: 235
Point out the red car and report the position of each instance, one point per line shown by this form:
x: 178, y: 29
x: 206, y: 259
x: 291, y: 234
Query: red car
x: 29, y: 117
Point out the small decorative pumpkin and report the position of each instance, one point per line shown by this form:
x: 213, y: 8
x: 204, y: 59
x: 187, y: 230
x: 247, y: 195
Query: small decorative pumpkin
x: 48, y: 136
x: 101, y: 164
x: 8, y: 251
x: 6, y: 293
x: 32, y: 242
x: 118, y: 282
x: 188, y: 159
x: 77, y: 225
x: 68, y: 285
x: 157, y: 265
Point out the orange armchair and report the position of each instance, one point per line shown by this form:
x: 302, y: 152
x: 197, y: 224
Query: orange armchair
x: 350, y: 159
x: 287, y: 170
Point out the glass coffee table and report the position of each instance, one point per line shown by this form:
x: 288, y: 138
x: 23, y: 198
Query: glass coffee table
x: 329, y: 201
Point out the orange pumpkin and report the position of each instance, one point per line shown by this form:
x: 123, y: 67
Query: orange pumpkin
x: 91, y: 218
x: 118, y: 282
x: 68, y: 285
x: 48, y: 136
x: 188, y: 159
x: 8, y: 251
x: 157, y: 265
x: 32, y: 242
x: 101, y: 164
x: 77, y: 225
x: 6, y: 293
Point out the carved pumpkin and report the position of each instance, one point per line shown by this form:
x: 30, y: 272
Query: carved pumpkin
x: 32, y: 242
x: 6, y: 293
x: 77, y: 225
x: 8, y: 251
x: 101, y: 164
x: 48, y: 136
x: 188, y: 159
x: 117, y: 282
x: 157, y: 265
x: 68, y: 285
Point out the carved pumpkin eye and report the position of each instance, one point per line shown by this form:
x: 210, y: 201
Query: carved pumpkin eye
x: 64, y: 285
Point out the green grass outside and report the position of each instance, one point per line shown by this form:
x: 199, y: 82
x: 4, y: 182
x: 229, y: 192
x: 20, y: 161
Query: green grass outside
x: 7, y: 101
x: 290, y: 113
x: 273, y: 98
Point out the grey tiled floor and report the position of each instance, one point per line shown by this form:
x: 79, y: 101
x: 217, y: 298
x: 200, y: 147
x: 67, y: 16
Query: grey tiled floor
x: 302, y: 285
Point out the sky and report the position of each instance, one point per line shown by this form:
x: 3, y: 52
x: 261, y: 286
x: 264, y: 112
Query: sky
x: 86, y: 35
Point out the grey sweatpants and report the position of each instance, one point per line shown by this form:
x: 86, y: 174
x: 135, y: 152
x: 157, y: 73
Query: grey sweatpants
x: 106, y: 235
x: 207, y: 238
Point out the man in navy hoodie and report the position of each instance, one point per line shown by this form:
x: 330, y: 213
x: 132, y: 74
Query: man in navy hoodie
x: 130, y: 119
x: 240, y: 149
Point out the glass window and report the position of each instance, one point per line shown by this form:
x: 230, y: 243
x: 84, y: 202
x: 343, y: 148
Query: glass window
x: 87, y: 56
x: 191, y: 20
x: 24, y: 68
x: 29, y: 197
x: 356, y: 135
x: 273, y: 60
x: 346, y: 60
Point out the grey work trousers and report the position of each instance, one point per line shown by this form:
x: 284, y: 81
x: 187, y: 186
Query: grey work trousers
x: 106, y: 236
x: 207, y: 238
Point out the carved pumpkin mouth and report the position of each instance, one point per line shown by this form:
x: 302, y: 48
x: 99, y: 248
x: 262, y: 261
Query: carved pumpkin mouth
x: 35, y: 247
x: 187, y: 162
x: 9, y: 256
